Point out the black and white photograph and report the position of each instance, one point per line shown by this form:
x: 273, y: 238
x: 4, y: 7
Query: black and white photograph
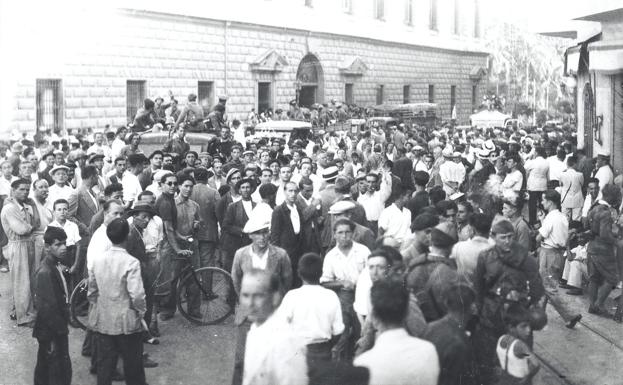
x: 311, y: 192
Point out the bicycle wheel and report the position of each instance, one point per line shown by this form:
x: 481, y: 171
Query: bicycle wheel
x: 79, y: 305
x: 209, y: 299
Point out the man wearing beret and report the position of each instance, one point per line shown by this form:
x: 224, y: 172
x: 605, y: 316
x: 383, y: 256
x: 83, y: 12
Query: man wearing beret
x: 429, y: 274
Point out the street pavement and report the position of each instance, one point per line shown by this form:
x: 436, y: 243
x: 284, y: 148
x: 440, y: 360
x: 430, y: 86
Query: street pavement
x: 188, y: 354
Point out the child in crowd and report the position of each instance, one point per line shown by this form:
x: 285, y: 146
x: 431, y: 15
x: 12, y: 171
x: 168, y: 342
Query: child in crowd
x: 518, y: 363
x: 61, y: 208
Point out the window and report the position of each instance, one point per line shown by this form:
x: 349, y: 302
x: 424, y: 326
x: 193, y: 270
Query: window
x: 379, y: 94
x: 309, y: 3
x: 49, y: 104
x: 431, y: 93
x: 409, y: 12
x: 456, y: 17
x: 474, y: 97
x: 264, y: 98
x: 433, y: 15
x: 379, y: 9
x: 406, y: 94
x: 205, y: 95
x: 135, y: 95
x: 347, y: 6
x: 348, y: 93
x: 476, y: 18
x: 452, y: 98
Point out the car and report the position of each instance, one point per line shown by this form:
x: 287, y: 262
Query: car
x: 152, y: 141
x: 289, y: 130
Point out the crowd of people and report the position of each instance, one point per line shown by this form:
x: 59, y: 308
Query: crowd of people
x: 392, y: 255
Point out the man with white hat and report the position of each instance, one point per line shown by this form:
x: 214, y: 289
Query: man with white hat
x: 60, y: 189
x: 452, y: 171
x: 327, y: 197
x: 363, y: 235
x: 603, y: 170
x: 259, y: 255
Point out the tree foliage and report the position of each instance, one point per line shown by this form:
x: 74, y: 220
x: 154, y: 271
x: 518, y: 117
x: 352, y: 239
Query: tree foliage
x: 523, y: 63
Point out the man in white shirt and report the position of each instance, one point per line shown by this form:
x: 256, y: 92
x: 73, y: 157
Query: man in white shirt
x: 274, y: 354
x: 466, y: 253
x: 395, y: 219
x: 377, y: 267
x: 396, y: 357
x: 603, y: 170
x: 452, y: 172
x: 285, y: 173
x: 341, y: 268
x: 313, y: 313
x: 99, y: 147
x: 306, y: 171
x: 131, y: 185
x: 119, y: 143
x: 556, y: 167
x: 373, y: 200
x: 553, y: 235
x: 592, y: 193
x: 60, y: 189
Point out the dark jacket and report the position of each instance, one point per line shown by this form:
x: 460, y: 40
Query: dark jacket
x: 311, y: 221
x: 50, y: 302
x: 232, y: 237
x: 282, y: 231
x: 498, y: 273
x: 402, y: 169
x: 82, y: 209
x: 207, y: 198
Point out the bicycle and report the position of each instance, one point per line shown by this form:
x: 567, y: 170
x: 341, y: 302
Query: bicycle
x: 216, y: 299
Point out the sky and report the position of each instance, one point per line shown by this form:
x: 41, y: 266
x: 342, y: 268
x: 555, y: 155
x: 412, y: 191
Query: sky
x: 542, y: 15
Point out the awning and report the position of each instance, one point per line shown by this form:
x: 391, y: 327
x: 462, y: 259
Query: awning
x: 606, y: 56
x: 572, y: 60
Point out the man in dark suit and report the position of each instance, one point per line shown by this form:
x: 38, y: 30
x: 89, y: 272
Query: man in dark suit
x: 397, y: 183
x: 83, y: 205
x: 311, y: 219
x: 236, y: 216
x: 286, y: 226
x: 402, y: 169
x: 50, y: 329
x: 207, y: 235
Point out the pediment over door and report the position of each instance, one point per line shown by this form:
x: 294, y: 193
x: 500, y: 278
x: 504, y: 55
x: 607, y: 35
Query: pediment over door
x: 353, y: 66
x: 269, y: 61
x: 477, y: 73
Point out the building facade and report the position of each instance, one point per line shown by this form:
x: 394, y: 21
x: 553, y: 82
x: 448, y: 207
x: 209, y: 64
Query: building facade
x: 597, y: 65
x: 260, y: 53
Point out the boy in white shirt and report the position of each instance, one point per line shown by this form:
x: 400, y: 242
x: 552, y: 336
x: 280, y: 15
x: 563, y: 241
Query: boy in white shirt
x: 60, y: 210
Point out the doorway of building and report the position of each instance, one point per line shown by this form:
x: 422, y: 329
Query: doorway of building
x: 263, y: 97
x: 310, y: 80
x: 589, y: 119
x: 307, y: 96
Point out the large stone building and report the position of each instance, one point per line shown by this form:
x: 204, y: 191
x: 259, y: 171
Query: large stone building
x: 98, y: 66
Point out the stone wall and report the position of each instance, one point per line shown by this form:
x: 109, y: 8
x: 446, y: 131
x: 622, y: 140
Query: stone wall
x: 175, y: 52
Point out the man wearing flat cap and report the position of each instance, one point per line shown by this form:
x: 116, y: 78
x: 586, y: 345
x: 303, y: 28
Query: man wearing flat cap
x: 363, y: 235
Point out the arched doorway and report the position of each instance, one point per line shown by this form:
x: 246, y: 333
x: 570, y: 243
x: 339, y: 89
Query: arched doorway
x: 310, y: 81
x: 589, y: 119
